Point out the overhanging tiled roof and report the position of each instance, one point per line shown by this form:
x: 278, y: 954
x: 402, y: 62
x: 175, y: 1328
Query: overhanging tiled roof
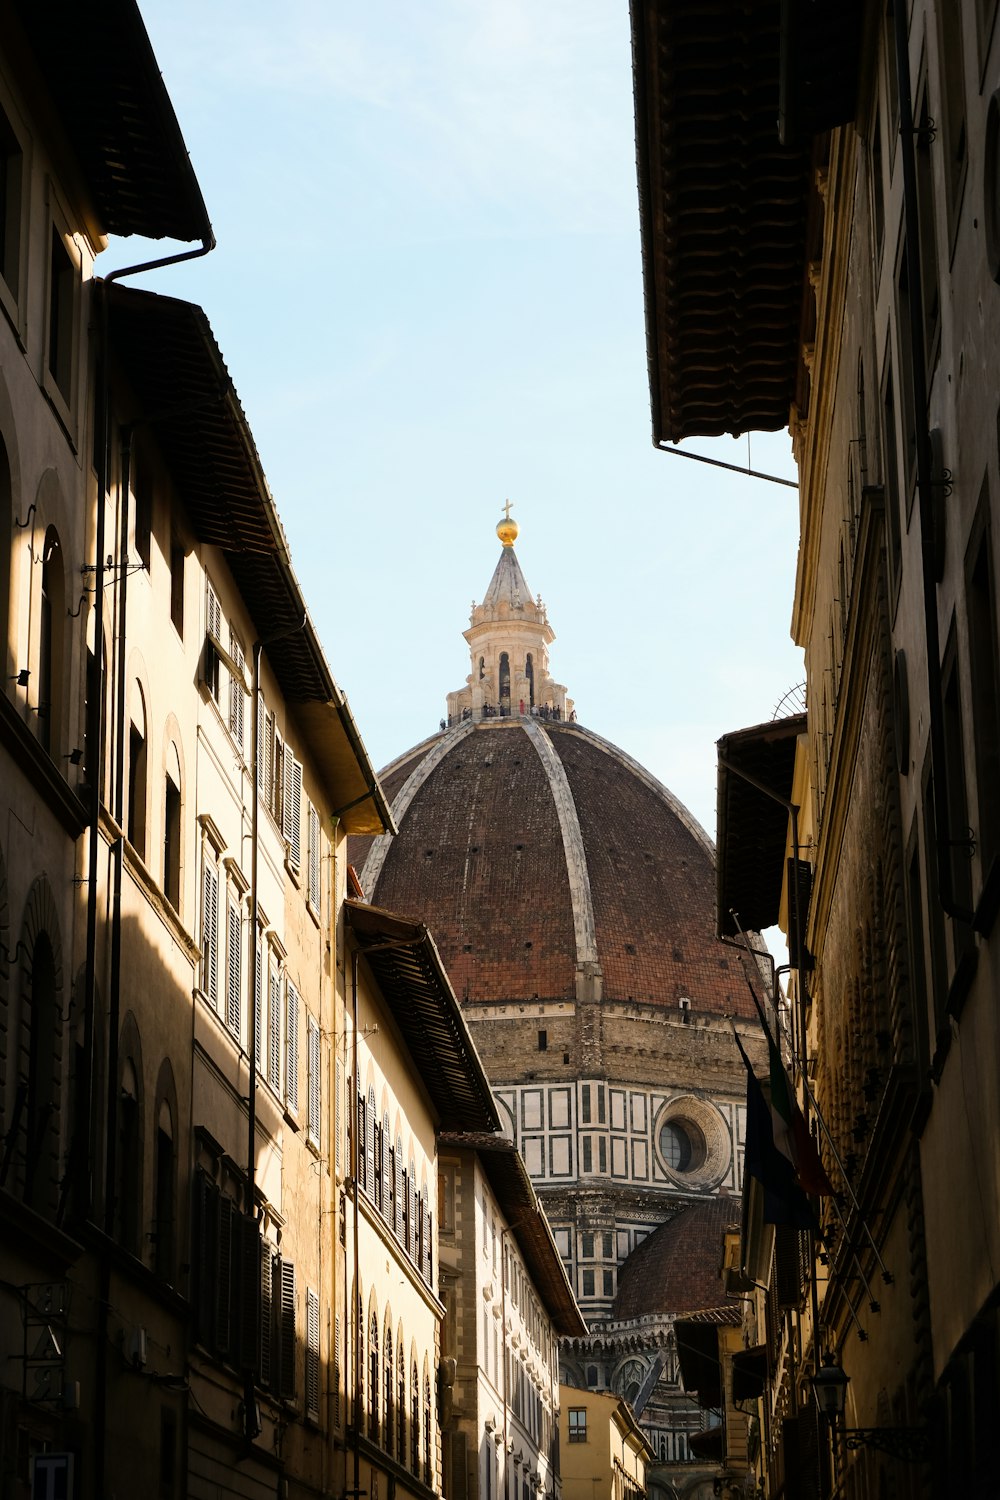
x: 412, y: 979
x: 723, y: 203
x: 752, y: 828
x: 105, y: 86
x: 508, y: 1177
x: 184, y: 395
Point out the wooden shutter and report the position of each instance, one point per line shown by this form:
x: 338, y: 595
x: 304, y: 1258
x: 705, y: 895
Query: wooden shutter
x: 285, y: 1289
x: 210, y: 929
x: 386, y: 1166
x: 236, y: 693
x: 336, y: 1371
x: 291, y: 813
x: 315, y: 1121
x: 224, y: 1275
x: 370, y: 1145
x: 258, y: 1002
x: 338, y: 1084
x: 312, y: 1355
x: 234, y: 970
x: 429, y: 1250
x: 266, y: 1273
x: 204, y: 1255
x: 249, y: 1292
x: 314, y: 850
x: 362, y: 1157
x: 274, y: 1026
x: 291, y: 1046
x: 261, y: 749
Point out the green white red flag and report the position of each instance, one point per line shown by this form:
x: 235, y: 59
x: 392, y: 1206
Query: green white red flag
x: 791, y: 1134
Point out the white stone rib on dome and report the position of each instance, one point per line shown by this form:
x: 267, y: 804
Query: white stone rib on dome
x: 584, y: 927
x: 411, y: 786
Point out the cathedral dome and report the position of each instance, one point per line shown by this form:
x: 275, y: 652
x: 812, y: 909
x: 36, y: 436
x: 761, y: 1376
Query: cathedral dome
x: 550, y: 866
x: 677, y: 1269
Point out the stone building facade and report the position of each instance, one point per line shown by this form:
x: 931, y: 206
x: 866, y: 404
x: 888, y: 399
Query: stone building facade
x: 867, y: 210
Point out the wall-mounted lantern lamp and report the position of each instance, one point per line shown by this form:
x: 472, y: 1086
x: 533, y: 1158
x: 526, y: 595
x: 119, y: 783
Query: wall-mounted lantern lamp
x: 909, y: 1444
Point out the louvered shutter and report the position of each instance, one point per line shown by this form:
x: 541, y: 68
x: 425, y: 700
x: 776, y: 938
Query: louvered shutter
x: 250, y: 1293
x: 386, y: 1168
x: 370, y: 1145
x: 312, y: 1355
x: 314, y: 1126
x: 313, y: 823
x: 266, y: 1274
x: 418, y: 1232
x: 286, y: 1328
x: 397, y: 1227
x: 261, y: 749
x: 336, y: 1371
x: 413, y: 1210
x: 268, y: 741
x: 274, y: 1027
x: 338, y: 1112
x: 210, y: 930
x: 224, y: 1275
x: 429, y: 1253
x: 361, y: 1155
x: 291, y: 821
x: 234, y: 970
x: 236, y: 691
x: 258, y: 1003
x: 291, y: 1047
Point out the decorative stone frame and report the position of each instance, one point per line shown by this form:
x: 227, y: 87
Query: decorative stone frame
x: 703, y: 1122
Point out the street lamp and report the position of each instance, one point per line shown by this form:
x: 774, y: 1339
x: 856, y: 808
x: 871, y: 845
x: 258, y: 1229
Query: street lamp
x: 908, y: 1444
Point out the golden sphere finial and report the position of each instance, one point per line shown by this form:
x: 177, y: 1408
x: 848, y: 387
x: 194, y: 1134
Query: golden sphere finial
x: 507, y: 528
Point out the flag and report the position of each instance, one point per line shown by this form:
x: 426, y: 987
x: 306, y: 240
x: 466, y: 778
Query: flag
x: 784, y: 1200
x: 790, y: 1131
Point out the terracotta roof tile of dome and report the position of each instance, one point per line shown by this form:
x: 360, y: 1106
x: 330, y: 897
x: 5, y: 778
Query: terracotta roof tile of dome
x: 541, y: 856
x: 677, y: 1268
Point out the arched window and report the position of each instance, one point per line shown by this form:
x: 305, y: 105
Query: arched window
x: 374, y: 1371
x: 529, y: 672
x: 504, y: 683
x: 400, y: 1406
x: 389, y: 1432
x: 50, y: 642
x: 136, y: 828
x: 414, y: 1420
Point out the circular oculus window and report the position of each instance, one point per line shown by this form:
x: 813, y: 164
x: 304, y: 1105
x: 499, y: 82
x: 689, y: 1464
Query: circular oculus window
x: 693, y: 1142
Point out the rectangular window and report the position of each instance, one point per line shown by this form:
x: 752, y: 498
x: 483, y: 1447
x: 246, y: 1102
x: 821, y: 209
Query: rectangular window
x: 609, y: 1283
x: 62, y: 290
x: 585, y: 1104
x: 210, y: 928
x: 543, y: 1041
x: 587, y: 1246
x: 588, y: 1154
x: 11, y: 175
x: 313, y: 893
x: 237, y: 694
x: 578, y: 1424
x: 284, y: 1301
x: 142, y: 493
x: 234, y: 970
x: 602, y: 1154
x: 177, y: 585
x: 291, y: 1047
x: 315, y: 1086
x: 258, y: 1003
x: 213, y: 634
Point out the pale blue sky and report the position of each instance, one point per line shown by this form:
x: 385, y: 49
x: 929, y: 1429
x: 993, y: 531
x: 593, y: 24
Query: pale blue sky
x: 428, y: 292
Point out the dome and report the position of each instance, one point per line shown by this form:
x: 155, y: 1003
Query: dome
x: 546, y: 861
x: 677, y: 1269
